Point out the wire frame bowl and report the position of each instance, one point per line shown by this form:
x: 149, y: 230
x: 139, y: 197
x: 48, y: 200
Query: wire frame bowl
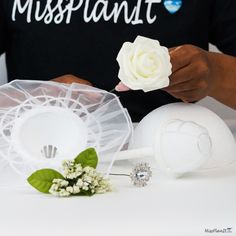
x: 106, y: 123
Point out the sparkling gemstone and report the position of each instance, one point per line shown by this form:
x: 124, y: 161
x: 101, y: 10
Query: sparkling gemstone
x: 142, y: 175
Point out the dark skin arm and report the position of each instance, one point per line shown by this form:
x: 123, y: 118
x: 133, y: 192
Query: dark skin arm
x: 197, y: 73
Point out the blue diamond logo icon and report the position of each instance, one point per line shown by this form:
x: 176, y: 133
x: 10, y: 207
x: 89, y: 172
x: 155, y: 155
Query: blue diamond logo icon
x: 172, y: 6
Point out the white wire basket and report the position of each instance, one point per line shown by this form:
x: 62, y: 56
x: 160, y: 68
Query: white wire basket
x: 69, y: 118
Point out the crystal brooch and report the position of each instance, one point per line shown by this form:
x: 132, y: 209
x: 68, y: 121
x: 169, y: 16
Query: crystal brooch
x: 141, y: 174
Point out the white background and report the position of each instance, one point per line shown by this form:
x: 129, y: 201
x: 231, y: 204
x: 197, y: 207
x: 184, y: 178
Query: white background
x: 166, y: 207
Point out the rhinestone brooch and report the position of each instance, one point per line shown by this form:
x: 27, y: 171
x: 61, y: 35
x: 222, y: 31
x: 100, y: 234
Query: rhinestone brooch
x: 141, y: 174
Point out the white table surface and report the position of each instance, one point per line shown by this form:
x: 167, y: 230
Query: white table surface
x: 166, y: 207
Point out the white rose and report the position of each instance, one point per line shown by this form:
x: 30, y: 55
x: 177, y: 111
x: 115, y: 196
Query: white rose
x: 144, y: 64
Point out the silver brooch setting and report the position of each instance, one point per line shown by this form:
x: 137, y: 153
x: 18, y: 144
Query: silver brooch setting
x: 141, y: 174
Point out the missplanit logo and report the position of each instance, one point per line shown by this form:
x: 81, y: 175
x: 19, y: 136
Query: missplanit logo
x: 58, y: 11
x: 173, y: 6
x: 219, y: 231
x: 63, y: 11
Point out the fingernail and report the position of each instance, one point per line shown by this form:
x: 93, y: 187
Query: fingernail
x: 121, y: 87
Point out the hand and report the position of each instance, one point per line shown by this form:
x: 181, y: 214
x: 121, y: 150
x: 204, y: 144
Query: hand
x: 191, y: 77
x: 197, y: 73
x: 192, y: 73
x: 69, y: 79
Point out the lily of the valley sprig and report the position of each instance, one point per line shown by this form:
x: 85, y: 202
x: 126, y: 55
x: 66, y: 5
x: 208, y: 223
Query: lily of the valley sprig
x: 79, y: 178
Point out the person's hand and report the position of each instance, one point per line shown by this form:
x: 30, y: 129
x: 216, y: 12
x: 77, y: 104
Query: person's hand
x: 197, y: 73
x: 69, y: 79
x: 192, y: 73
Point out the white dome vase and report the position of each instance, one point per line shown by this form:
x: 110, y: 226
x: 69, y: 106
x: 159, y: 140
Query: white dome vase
x: 182, y: 138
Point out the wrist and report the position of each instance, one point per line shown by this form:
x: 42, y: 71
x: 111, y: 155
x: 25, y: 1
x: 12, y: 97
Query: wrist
x: 223, y: 78
x: 215, y: 74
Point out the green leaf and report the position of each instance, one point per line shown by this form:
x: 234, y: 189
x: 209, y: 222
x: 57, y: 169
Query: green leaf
x: 87, y: 158
x: 42, y: 179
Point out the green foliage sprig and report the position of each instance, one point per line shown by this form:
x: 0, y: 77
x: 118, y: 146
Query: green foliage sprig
x: 80, y: 177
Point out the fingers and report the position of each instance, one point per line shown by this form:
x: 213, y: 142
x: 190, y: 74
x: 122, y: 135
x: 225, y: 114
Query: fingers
x: 121, y: 87
x: 90, y: 96
x: 186, y: 86
x: 182, y: 75
x: 189, y: 91
x: 188, y: 96
x: 192, y: 90
x: 69, y: 79
x: 191, y: 76
x: 179, y: 58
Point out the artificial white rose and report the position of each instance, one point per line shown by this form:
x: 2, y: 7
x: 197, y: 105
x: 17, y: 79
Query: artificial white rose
x: 144, y: 64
